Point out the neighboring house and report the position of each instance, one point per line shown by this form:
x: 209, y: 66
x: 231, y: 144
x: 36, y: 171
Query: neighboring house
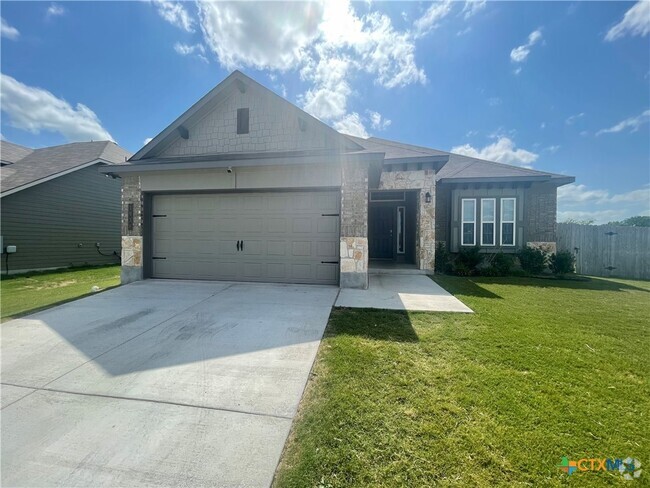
x: 246, y: 186
x: 56, y: 206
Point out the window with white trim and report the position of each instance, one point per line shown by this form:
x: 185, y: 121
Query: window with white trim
x: 488, y: 219
x: 468, y: 228
x: 508, y: 214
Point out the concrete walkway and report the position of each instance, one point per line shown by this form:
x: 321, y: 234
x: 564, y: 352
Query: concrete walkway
x: 158, y: 383
x: 411, y: 292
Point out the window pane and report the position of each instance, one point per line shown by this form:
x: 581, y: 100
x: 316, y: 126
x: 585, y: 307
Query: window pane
x: 507, y: 234
x: 487, y: 234
x: 468, y: 211
x: 508, y: 210
x: 468, y: 234
x: 488, y: 210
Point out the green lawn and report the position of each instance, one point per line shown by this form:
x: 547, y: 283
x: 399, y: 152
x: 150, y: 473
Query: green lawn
x: 26, y: 293
x: 543, y: 369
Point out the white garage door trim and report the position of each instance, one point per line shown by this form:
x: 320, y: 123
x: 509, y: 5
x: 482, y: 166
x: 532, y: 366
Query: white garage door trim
x: 279, y: 236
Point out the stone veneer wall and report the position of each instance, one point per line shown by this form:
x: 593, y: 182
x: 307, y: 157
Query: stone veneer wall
x: 354, y: 225
x: 423, y: 180
x: 131, y: 237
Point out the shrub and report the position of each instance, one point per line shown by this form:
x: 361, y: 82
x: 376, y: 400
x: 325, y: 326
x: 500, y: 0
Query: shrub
x: 562, y: 263
x: 442, y: 259
x: 489, y: 271
x: 467, y: 261
x: 502, y: 263
x: 533, y: 260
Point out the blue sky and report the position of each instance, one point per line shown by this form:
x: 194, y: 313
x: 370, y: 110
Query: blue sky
x: 556, y: 86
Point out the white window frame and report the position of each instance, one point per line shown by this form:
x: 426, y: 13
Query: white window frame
x: 493, y: 221
x: 463, y: 221
x: 513, y: 222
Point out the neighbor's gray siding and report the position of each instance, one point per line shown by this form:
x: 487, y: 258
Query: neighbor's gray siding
x: 48, y: 222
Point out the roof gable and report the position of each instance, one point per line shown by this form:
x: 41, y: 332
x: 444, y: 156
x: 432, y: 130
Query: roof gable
x: 210, y: 125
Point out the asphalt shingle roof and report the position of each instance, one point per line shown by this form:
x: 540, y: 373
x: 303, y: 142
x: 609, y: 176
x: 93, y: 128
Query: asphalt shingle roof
x: 457, y: 167
x: 10, y: 152
x: 39, y: 164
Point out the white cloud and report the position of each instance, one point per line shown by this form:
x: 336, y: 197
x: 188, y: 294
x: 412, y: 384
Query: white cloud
x: 520, y: 53
x: 147, y: 141
x: 542, y: 125
x: 635, y: 22
x: 494, y: 101
x: 272, y: 35
x: 502, y: 151
x: 517, y: 70
x: 574, y: 118
x: 191, y: 49
x: 35, y: 109
x: 186, y: 49
x: 472, y: 7
x: 632, y: 123
x: 574, y: 194
x: 464, y: 31
x: 327, y: 42
x: 553, y: 149
x: 377, y: 121
x: 471, y: 133
x: 55, y: 10
x: 432, y: 17
x: 7, y: 30
x: 175, y: 13
x: 351, y: 124
x: 577, y: 201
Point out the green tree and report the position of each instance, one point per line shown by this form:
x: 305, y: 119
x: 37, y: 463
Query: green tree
x: 579, y: 222
x: 637, y: 221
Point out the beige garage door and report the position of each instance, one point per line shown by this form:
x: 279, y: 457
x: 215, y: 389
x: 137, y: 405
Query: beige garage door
x: 283, y: 237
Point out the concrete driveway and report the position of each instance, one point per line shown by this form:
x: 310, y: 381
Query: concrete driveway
x: 158, y: 383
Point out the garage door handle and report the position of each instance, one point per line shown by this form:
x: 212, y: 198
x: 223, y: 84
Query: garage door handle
x: 242, y: 245
x: 238, y: 245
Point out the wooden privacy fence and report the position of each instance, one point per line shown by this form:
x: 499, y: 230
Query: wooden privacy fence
x: 607, y: 250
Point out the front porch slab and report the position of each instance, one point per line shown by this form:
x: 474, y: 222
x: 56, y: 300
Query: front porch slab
x: 402, y: 292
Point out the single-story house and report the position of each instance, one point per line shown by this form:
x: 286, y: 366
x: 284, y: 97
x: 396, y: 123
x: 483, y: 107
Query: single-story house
x: 57, y: 210
x: 246, y: 186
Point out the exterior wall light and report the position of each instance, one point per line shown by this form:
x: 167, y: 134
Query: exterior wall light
x: 427, y: 197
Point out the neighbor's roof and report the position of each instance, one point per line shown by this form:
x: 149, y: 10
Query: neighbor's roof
x: 10, y: 152
x: 459, y: 168
x: 39, y: 165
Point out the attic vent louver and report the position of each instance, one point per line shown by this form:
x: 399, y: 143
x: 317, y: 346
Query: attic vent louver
x: 302, y: 125
x: 242, y: 120
x: 183, y: 132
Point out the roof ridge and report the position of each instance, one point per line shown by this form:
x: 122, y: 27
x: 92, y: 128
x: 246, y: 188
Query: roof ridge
x: 5, y: 141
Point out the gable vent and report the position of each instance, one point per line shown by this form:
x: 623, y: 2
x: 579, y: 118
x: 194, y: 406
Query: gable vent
x: 242, y: 120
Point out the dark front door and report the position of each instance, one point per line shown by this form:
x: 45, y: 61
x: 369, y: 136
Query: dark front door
x: 382, y: 224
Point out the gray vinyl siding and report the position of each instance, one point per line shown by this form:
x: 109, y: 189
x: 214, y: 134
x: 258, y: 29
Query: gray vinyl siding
x: 49, y: 221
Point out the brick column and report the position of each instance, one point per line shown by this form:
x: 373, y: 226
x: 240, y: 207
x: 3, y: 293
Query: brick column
x: 132, y: 213
x: 354, y: 225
